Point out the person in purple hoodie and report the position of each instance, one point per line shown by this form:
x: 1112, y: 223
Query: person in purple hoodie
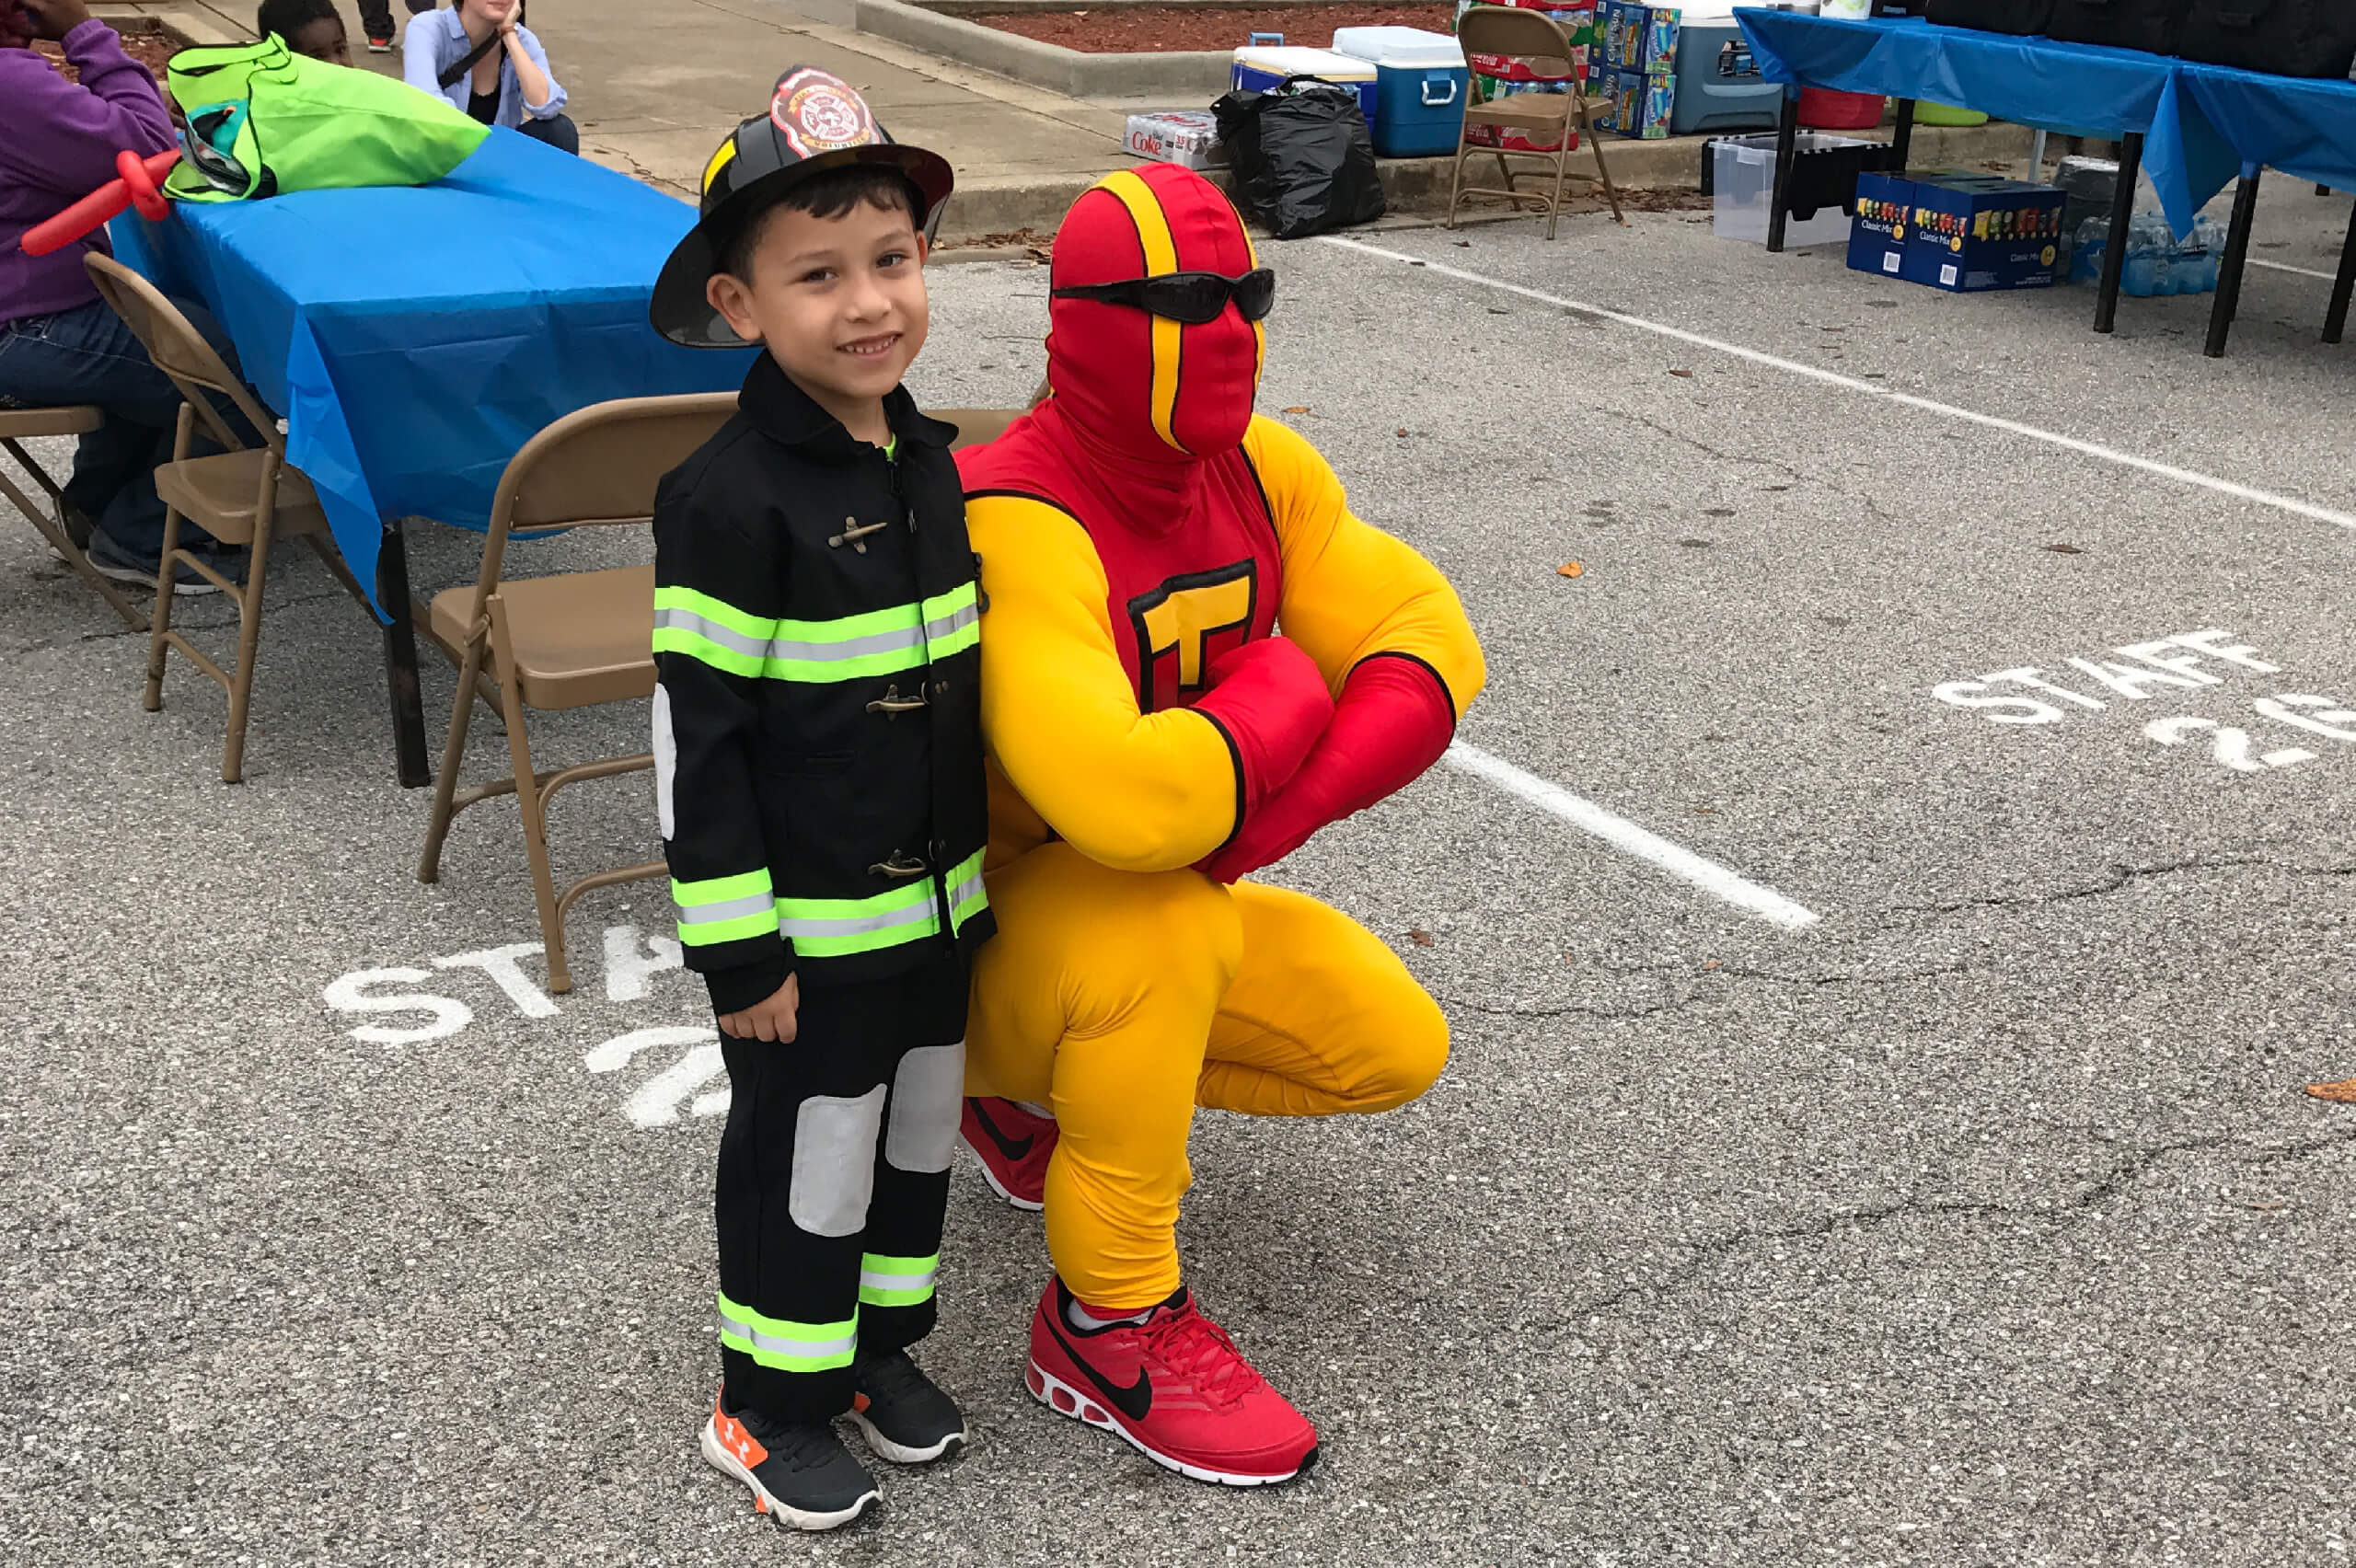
x: 59, y: 343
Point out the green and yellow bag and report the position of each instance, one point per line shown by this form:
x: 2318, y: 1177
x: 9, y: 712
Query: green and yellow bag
x: 263, y: 120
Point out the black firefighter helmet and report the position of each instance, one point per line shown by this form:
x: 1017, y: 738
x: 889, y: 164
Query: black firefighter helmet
x: 816, y: 121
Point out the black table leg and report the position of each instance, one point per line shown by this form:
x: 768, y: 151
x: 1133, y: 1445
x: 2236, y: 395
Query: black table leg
x: 2122, y: 212
x: 2229, y: 275
x: 401, y: 660
x: 1788, y: 132
x: 1901, y: 136
x: 2335, y: 320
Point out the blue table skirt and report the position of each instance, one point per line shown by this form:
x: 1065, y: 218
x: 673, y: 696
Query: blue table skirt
x: 415, y: 337
x: 2202, y: 124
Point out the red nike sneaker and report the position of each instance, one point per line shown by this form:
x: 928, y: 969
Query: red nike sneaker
x: 1174, y: 1387
x: 1013, y: 1145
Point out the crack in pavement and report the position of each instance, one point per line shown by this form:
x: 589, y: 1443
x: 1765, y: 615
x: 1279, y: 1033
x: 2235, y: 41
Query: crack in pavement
x: 1587, y: 1010
x: 1682, y: 439
x: 2120, y: 876
x: 2108, y: 1185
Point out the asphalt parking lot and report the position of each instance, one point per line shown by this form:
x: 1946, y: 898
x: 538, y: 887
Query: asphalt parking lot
x: 1922, y: 1177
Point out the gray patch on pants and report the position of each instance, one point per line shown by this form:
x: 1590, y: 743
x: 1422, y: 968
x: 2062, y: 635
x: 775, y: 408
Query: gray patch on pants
x: 834, y: 1162
x: 927, y: 1094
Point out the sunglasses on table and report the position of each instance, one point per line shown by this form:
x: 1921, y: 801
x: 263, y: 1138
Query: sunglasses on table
x: 1194, y: 298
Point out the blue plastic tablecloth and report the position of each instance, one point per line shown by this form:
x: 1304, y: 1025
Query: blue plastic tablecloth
x: 2201, y: 124
x: 415, y: 337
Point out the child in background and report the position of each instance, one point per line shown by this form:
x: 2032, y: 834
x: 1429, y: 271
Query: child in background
x: 309, y: 27
x: 819, y: 786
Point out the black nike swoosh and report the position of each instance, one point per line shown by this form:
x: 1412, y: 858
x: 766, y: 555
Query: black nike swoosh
x: 1007, y: 1146
x: 1132, y: 1401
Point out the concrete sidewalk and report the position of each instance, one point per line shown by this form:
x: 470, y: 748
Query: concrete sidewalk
x: 653, y: 97
x: 654, y: 102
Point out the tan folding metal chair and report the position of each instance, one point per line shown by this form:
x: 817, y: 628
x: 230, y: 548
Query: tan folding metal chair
x: 243, y: 495
x: 19, y: 425
x: 573, y: 639
x: 1539, y: 117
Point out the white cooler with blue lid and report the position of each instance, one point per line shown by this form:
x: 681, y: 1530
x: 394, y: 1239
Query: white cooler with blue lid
x: 1264, y: 67
x: 1419, y: 88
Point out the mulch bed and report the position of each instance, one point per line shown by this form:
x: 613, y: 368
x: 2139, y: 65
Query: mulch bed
x: 1154, y: 29
x: 149, y: 46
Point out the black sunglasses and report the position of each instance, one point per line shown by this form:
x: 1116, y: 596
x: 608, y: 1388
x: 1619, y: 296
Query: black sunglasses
x: 1192, y: 297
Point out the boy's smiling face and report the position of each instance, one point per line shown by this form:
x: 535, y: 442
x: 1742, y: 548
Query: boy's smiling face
x: 839, y: 302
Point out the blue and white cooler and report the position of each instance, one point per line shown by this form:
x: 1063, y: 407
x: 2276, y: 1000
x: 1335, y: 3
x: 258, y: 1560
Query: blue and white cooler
x: 1264, y: 67
x: 1420, y: 83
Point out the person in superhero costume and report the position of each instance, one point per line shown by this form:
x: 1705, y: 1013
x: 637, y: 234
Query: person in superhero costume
x: 1193, y: 658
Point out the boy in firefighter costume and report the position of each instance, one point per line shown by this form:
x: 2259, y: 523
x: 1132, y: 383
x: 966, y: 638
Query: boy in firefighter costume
x: 1194, y: 657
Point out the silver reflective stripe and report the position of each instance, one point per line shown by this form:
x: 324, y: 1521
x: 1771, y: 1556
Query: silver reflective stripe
x: 857, y: 926
x: 776, y: 1346
x: 849, y: 647
x: 727, y: 909
x: 941, y: 625
x: 870, y: 1280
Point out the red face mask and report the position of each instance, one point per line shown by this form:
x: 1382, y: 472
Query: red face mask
x: 1145, y: 386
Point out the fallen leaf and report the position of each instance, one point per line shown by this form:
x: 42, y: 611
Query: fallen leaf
x: 1403, y: 430
x: 1298, y: 408
x: 1414, y: 263
x: 1420, y: 938
x: 1499, y: 310
x: 1715, y: 963
x: 1686, y: 374
x: 2066, y: 550
x: 2269, y: 1209
x: 1717, y: 511
x: 2342, y: 1092
x: 1464, y: 245
x: 1569, y: 569
x: 1705, y: 811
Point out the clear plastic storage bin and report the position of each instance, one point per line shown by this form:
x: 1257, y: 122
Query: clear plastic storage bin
x: 1742, y: 181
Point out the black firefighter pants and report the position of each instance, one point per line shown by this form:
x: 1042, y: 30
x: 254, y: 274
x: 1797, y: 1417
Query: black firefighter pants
x: 834, y: 1172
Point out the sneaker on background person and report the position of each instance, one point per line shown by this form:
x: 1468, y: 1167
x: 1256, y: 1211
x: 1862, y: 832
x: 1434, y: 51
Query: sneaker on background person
x: 800, y: 1476
x: 1013, y: 1143
x: 111, y: 561
x: 1170, y: 1383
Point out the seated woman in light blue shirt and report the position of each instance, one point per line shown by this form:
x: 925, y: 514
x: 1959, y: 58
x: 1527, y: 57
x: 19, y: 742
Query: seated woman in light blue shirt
x: 509, y: 82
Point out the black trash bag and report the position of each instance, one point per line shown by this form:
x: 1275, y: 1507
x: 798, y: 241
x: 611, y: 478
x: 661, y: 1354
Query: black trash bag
x: 1300, y: 156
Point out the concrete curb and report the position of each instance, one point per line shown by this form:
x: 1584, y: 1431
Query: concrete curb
x: 194, y: 24
x: 1182, y: 77
x: 1417, y: 188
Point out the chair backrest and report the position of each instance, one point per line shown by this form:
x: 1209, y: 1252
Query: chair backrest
x: 598, y: 467
x: 977, y: 427
x: 181, y: 351
x: 1528, y: 35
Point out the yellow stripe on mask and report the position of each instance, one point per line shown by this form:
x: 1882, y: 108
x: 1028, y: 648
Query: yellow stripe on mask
x: 1160, y: 260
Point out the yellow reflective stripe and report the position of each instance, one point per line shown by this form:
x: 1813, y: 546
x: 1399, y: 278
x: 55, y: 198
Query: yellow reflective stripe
x: 725, y: 909
x: 705, y: 607
x: 788, y: 1346
x: 897, y: 1282
x: 1160, y: 259
x: 835, y: 927
x: 876, y: 642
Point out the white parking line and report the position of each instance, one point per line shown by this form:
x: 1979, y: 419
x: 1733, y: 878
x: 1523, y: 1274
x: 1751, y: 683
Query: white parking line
x: 2286, y: 266
x: 1626, y: 836
x: 1834, y: 378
